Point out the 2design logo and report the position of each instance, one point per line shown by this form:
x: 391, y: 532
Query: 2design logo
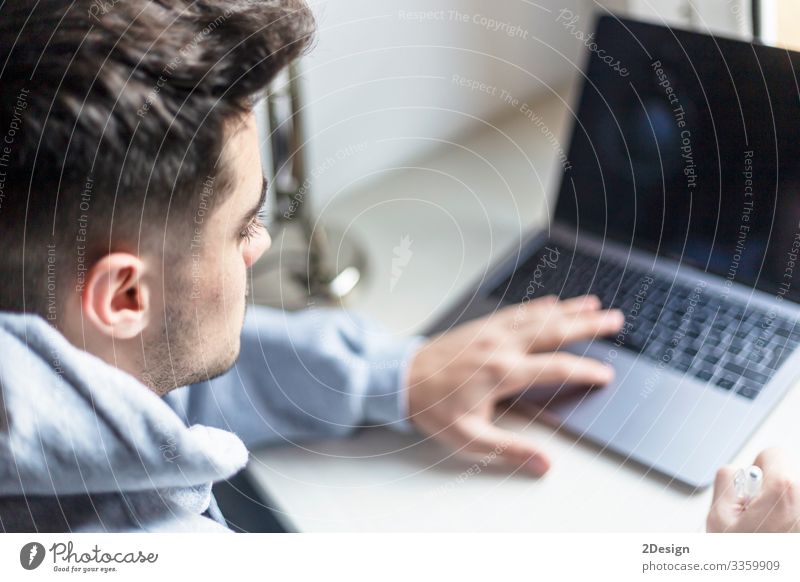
x: 31, y: 555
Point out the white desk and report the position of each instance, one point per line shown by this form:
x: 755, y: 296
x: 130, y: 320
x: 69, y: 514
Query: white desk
x: 461, y: 208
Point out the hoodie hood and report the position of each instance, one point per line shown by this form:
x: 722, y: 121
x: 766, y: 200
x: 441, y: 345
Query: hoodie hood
x: 72, y: 424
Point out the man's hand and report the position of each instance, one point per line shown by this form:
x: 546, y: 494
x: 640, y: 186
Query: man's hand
x: 776, y: 509
x: 457, y: 378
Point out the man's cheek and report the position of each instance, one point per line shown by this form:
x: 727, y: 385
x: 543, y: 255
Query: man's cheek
x: 234, y: 285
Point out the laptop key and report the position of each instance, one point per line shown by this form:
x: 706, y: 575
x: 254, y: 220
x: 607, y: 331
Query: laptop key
x: 748, y: 392
x: 718, y: 342
x: 726, y: 382
x: 755, y: 376
x: 734, y: 368
x: 681, y: 366
x: 705, y: 374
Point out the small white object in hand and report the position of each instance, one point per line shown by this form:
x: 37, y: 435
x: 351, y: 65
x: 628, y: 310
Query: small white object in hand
x: 747, y: 482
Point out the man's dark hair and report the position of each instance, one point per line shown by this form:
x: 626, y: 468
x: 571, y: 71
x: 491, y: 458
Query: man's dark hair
x: 113, y: 117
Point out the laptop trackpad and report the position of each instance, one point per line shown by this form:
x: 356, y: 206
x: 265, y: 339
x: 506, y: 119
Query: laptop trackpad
x: 650, y: 413
x: 609, y: 409
x: 569, y: 394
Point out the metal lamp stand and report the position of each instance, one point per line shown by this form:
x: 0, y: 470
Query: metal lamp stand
x: 301, y: 269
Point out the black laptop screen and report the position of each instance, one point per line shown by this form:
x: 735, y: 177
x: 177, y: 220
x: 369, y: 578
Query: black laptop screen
x: 691, y: 149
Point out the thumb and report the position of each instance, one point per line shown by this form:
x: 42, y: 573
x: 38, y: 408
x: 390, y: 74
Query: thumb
x: 561, y: 368
x: 511, y: 449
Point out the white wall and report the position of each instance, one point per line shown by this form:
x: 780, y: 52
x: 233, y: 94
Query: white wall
x: 379, y: 83
x: 728, y: 17
x: 376, y: 74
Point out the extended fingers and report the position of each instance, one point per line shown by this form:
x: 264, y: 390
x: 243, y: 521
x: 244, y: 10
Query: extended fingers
x: 551, y: 305
x: 568, y: 328
x: 554, y: 368
x: 478, y: 436
x: 580, y: 304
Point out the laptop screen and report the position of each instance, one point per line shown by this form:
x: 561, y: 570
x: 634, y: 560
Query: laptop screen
x: 689, y: 146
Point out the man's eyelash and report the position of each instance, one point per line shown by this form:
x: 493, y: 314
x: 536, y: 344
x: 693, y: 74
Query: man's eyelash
x: 259, y: 222
x: 251, y: 230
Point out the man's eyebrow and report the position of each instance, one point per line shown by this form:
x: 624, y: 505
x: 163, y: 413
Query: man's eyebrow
x: 261, y: 200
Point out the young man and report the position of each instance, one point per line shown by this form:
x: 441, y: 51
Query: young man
x: 130, y: 207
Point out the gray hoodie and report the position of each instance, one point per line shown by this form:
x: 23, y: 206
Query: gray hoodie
x: 86, y: 447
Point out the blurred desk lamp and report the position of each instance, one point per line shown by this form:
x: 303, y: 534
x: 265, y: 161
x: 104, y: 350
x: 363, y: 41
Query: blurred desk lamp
x: 299, y: 269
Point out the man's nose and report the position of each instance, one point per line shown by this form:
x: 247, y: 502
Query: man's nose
x: 257, y: 248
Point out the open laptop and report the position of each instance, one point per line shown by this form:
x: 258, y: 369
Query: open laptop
x: 680, y: 205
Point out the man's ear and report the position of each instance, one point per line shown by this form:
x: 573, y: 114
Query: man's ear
x: 115, y: 298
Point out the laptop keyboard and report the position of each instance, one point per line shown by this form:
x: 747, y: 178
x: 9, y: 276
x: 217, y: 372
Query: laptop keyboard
x: 690, y: 329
